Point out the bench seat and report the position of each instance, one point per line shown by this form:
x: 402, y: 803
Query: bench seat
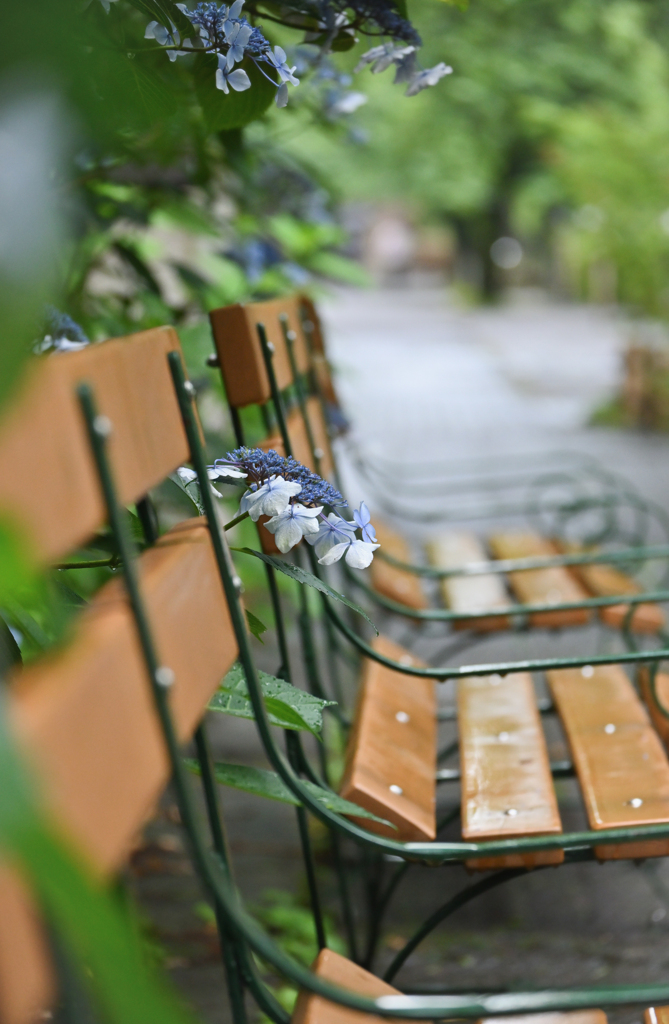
x: 392, y: 749
x: 397, y: 584
x: 469, y: 593
x: 554, y: 585
x: 621, y: 765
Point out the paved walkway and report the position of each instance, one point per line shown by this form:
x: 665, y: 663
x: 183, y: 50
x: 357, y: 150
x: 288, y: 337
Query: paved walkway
x: 424, y: 379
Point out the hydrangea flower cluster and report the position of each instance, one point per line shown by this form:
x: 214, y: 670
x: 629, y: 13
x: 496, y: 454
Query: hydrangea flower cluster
x: 274, y: 485
x: 406, y: 64
x: 223, y: 31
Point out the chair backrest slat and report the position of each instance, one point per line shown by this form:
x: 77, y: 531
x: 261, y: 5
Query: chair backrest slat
x: 86, y: 719
x: 239, y: 352
x: 48, y: 483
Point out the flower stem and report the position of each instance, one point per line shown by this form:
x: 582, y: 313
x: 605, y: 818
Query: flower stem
x: 237, y: 519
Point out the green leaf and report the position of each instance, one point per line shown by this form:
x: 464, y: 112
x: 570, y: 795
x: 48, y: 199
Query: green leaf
x: 269, y: 785
x: 221, y: 112
x: 191, y: 490
x: 286, y: 705
x: 165, y: 11
x: 302, y: 576
x: 256, y: 627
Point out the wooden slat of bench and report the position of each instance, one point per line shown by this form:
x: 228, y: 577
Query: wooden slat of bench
x: 239, y: 352
x: 618, y: 756
x: 568, y: 1017
x: 393, y: 744
x: 656, y: 1015
x: 317, y: 353
x: 297, y: 432
x: 397, y: 584
x: 87, y: 720
x: 606, y: 581
x: 469, y: 593
x: 507, y: 788
x: 48, y: 483
x: 541, y: 586
x: 330, y: 966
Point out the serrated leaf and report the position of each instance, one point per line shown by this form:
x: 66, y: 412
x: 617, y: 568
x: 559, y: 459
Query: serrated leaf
x: 237, y: 109
x: 301, y: 575
x: 256, y: 627
x: 261, y: 782
x: 287, y: 706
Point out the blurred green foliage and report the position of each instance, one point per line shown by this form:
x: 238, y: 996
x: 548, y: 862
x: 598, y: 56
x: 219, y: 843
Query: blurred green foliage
x: 553, y: 128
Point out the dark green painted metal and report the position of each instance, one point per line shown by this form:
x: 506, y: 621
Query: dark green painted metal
x: 512, y: 611
x: 215, y: 873
x: 627, y: 555
x: 501, y: 668
x: 457, y: 901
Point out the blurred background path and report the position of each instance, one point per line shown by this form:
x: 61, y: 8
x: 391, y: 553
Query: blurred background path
x: 425, y: 379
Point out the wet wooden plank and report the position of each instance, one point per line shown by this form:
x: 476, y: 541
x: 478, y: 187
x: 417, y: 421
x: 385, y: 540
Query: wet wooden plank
x: 541, y: 586
x: 397, y: 584
x: 621, y: 765
x: 507, y: 788
x: 602, y: 580
x: 656, y: 1015
x: 469, y: 593
x: 240, y: 355
x: 330, y: 966
x: 568, y: 1017
x: 42, y: 437
x: 86, y: 719
x: 391, y: 755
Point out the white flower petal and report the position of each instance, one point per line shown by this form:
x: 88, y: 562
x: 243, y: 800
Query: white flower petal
x: 186, y: 475
x: 288, y: 535
x: 360, y: 554
x: 239, y: 80
x: 221, y: 82
x: 334, y: 554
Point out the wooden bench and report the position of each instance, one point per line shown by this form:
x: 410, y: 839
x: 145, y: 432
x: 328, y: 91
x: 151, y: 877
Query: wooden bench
x: 555, y: 585
x: 601, y: 580
x: 507, y: 787
x: 84, y: 714
x: 390, y: 580
x: 620, y: 762
x: 469, y: 594
x: 391, y: 755
x: 312, y: 1009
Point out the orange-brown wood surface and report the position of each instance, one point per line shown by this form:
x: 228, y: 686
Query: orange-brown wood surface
x: 330, y: 966
x: 397, y: 584
x: 86, y: 716
x: 660, y: 722
x: 656, y: 1015
x: 313, y: 331
x: 391, y: 756
x: 239, y: 352
x: 507, y: 788
x: 469, y: 593
x: 541, y: 586
x: 605, y: 581
x: 300, y: 442
x: 48, y: 483
x: 620, y: 762
x: 570, y: 1017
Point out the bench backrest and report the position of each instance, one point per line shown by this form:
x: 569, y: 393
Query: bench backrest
x: 48, y: 484
x: 85, y: 713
